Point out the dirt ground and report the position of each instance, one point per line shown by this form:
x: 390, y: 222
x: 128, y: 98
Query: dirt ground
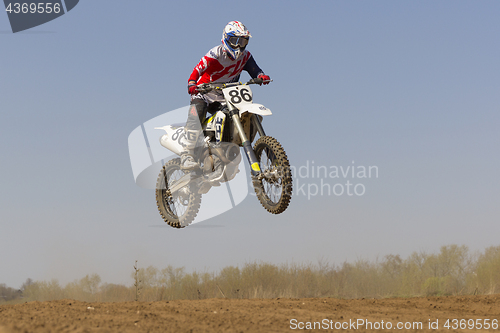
x: 257, y: 315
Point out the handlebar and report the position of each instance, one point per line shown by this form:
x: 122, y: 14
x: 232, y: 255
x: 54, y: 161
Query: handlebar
x: 207, y: 87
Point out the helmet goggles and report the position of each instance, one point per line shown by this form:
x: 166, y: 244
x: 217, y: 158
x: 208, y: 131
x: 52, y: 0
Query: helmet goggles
x: 238, y: 42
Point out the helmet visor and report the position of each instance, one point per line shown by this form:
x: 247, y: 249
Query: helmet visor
x: 238, y: 41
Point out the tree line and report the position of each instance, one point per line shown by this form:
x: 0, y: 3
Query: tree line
x: 454, y: 270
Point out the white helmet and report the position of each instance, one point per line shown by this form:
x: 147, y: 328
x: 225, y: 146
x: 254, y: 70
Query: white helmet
x: 235, y: 38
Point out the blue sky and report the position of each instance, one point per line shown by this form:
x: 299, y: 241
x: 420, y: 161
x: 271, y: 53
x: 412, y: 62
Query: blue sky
x: 409, y: 87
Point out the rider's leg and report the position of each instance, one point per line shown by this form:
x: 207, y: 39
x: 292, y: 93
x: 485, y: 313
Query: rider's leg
x: 196, y: 115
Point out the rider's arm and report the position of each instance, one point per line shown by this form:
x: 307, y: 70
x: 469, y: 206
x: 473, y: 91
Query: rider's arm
x: 201, y: 68
x: 194, y: 77
x: 197, y: 71
x: 252, y: 68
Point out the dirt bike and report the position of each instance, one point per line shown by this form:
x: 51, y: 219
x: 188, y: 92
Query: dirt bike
x: 233, y: 124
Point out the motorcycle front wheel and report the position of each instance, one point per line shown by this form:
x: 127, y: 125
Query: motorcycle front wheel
x: 274, y: 190
x: 180, y: 208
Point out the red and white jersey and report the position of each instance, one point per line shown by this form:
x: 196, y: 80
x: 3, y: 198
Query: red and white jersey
x: 216, y: 66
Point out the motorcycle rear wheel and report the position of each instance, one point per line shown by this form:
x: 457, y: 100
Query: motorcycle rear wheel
x: 274, y: 190
x: 179, y: 209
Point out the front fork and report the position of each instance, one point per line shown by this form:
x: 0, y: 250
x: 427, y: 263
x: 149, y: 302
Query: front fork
x: 247, y: 146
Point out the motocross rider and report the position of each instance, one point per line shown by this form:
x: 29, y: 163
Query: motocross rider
x: 222, y: 64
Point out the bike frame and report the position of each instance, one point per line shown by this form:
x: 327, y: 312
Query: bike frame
x: 239, y: 100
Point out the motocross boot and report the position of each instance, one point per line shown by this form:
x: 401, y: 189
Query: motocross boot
x: 187, y: 162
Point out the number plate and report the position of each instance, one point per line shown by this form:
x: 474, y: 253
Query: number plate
x: 238, y: 95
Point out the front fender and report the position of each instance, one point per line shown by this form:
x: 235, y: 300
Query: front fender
x: 256, y: 109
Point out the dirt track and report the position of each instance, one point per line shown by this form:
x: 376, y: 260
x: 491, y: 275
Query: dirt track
x: 241, y: 315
